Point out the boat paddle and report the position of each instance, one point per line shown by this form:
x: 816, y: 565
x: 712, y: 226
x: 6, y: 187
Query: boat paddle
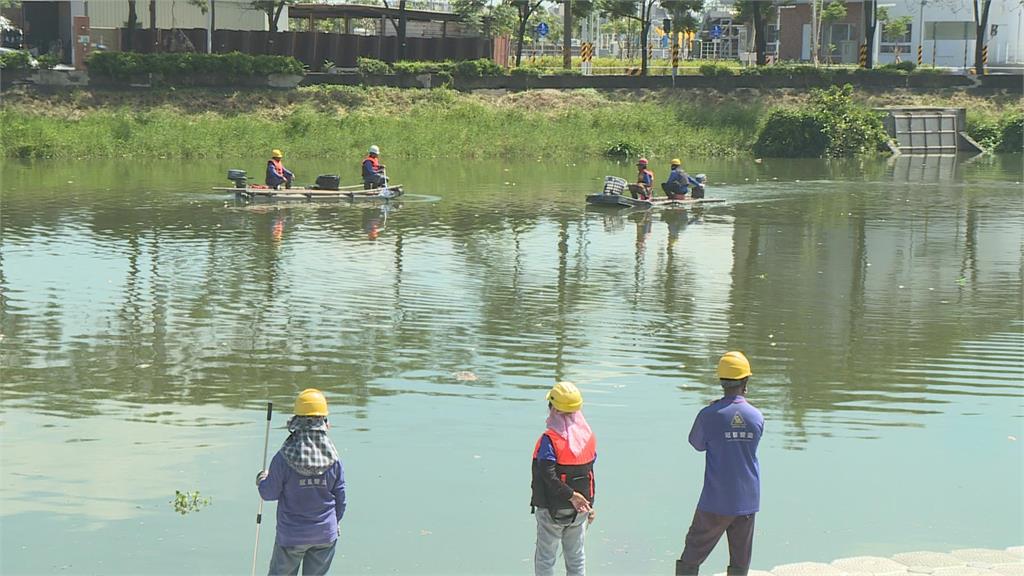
x: 259, y: 513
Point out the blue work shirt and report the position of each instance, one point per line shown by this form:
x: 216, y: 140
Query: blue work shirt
x: 728, y: 432
x: 678, y: 176
x: 308, y: 507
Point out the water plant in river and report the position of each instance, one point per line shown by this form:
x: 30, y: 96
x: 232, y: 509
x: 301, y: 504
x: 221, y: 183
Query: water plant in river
x: 191, y: 501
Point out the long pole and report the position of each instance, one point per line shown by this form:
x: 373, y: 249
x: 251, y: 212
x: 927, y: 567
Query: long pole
x: 920, y: 33
x: 259, y: 514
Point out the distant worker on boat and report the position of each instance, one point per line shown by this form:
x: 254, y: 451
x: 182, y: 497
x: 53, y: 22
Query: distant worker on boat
x: 644, y: 181
x: 373, y: 171
x: 678, y: 184
x: 277, y: 174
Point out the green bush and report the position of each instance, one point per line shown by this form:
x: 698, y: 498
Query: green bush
x: 182, y: 66
x: 715, y: 70
x: 1011, y: 133
x: 623, y: 149
x: 527, y: 71
x: 371, y: 67
x: 477, y: 68
x: 832, y: 125
x: 791, y: 134
x: 984, y: 130
x: 16, y: 60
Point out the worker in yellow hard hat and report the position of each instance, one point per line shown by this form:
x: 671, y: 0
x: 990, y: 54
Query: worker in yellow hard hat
x: 678, y: 182
x: 563, y: 482
x: 728, y: 432
x: 308, y: 482
x: 277, y: 174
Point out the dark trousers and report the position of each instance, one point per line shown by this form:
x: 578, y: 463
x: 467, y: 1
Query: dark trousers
x: 673, y: 189
x: 373, y: 181
x: 706, y: 530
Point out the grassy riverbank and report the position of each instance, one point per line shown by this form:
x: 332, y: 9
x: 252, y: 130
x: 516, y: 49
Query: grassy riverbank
x: 330, y: 121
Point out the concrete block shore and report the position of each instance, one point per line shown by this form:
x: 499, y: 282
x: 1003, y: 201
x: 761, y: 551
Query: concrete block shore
x: 966, y: 562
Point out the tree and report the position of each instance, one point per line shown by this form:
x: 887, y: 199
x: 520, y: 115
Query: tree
x: 486, y: 17
x: 835, y: 11
x: 870, y: 25
x: 639, y: 10
x: 981, y: 8
x: 896, y: 29
x: 273, y: 8
x: 133, y: 23
x: 524, y: 9
x: 756, y: 12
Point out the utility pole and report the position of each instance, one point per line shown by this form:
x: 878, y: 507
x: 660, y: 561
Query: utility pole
x: 567, y: 35
x: 814, y: 31
x: 920, y: 33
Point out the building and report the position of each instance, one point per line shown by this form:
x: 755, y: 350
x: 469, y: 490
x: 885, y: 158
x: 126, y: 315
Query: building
x: 944, y: 30
x: 48, y: 24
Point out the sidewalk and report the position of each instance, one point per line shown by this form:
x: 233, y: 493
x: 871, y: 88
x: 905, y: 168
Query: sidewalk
x: 966, y: 562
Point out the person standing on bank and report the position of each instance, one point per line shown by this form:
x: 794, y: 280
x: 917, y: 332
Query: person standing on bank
x: 563, y: 483
x: 728, y: 432
x: 307, y: 480
x: 277, y: 174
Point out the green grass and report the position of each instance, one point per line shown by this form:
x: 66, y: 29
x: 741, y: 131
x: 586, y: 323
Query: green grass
x: 337, y: 121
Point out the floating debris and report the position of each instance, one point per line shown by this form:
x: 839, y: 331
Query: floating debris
x: 465, y: 376
x: 185, y: 502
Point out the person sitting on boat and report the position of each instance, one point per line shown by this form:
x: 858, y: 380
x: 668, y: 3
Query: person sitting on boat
x: 697, y: 186
x: 373, y: 170
x: 678, y: 182
x: 644, y: 181
x: 277, y: 174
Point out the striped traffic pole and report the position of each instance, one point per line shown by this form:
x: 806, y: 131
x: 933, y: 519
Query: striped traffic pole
x: 920, y: 55
x: 863, y: 55
x: 984, y: 59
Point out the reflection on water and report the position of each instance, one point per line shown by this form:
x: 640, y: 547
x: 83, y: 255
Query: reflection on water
x: 144, y: 321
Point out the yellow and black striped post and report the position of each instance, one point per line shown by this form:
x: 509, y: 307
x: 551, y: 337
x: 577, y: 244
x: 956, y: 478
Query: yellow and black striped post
x: 920, y: 55
x: 984, y: 59
x: 863, y: 55
x: 650, y: 52
x: 675, y: 56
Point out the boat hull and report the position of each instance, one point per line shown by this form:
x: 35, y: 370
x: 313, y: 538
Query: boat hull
x: 350, y: 195
x: 620, y: 201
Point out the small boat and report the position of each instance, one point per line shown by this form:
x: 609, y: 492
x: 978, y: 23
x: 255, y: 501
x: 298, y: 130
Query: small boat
x: 351, y: 193
x: 326, y: 189
x: 612, y: 195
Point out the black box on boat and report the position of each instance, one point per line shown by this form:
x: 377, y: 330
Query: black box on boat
x: 328, y: 181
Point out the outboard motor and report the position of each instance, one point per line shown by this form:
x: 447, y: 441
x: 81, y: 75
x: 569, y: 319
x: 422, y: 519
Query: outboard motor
x: 697, y: 190
x: 238, y: 177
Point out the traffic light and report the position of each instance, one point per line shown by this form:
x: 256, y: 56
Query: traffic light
x: 666, y: 25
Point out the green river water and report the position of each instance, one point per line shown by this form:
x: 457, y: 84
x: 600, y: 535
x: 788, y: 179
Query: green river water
x: 146, y: 321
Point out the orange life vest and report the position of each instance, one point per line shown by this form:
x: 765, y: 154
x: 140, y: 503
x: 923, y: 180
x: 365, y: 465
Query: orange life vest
x: 278, y: 167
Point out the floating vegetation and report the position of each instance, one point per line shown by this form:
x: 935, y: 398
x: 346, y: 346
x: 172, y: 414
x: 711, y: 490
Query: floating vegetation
x: 185, y: 502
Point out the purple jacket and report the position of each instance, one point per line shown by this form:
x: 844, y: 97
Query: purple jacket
x: 728, y: 432
x: 309, y: 507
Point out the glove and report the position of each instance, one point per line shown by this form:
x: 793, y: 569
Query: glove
x: 261, y: 476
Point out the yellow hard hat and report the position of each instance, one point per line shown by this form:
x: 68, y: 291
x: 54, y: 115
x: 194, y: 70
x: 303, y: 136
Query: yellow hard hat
x: 733, y: 366
x: 565, y: 397
x: 275, y: 153
x: 676, y: 162
x: 311, y: 402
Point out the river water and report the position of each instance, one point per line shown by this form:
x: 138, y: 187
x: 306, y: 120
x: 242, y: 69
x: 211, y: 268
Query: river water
x: 146, y: 321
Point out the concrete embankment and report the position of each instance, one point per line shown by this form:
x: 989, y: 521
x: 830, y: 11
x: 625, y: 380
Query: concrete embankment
x: 965, y: 562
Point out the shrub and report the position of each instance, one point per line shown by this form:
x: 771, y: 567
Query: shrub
x: 623, y: 149
x: 477, y: 68
x: 832, y: 125
x: 715, y: 70
x: 1011, y: 133
x: 15, y: 60
x: 182, y: 66
x: 527, y: 71
x: 984, y: 131
x: 370, y: 66
x: 791, y: 134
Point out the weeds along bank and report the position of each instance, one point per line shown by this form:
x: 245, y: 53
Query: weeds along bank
x: 330, y: 121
